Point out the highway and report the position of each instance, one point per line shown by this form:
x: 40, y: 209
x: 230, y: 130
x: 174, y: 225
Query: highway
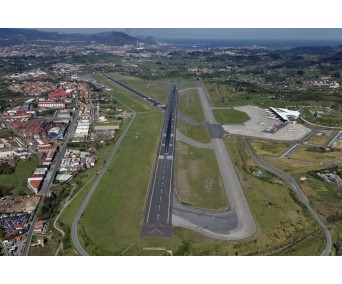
x: 135, y: 92
x: 298, y: 191
x: 158, y: 211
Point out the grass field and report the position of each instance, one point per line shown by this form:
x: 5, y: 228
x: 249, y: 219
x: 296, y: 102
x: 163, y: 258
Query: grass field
x: 319, y: 139
x: 326, y: 119
x: 303, y: 153
x: 18, y: 179
x: 127, y: 98
x: 293, y: 166
x: 189, y: 104
x: 281, y: 219
x: 199, y: 133
x: 122, y: 190
x: 260, y: 147
x: 312, y: 245
x: 230, y: 116
x: 198, y: 181
x: 158, y: 89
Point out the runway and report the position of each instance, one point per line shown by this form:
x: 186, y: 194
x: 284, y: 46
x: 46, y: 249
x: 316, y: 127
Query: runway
x: 158, y: 211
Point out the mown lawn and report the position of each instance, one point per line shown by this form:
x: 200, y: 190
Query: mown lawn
x: 227, y: 116
x: 18, y: 179
x: 199, y: 132
x: 198, y: 181
x: 189, y: 104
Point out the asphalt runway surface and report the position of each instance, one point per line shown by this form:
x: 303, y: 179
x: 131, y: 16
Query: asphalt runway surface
x: 158, y: 211
x: 239, y: 223
x: 135, y: 92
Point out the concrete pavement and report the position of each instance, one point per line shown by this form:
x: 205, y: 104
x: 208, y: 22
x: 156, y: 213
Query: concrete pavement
x: 242, y: 224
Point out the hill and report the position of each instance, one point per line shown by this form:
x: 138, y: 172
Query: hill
x: 17, y: 36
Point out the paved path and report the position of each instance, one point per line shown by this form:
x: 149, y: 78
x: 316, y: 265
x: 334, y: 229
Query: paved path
x: 74, y: 231
x: 318, y: 125
x: 181, y: 137
x: 298, y: 191
x: 188, y: 119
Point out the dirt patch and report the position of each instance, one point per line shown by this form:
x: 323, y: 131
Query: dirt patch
x: 308, y: 191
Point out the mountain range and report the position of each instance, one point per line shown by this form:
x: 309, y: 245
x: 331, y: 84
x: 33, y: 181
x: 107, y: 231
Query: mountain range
x: 16, y: 36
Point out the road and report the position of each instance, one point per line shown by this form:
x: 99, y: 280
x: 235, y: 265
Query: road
x: 298, y: 191
x: 135, y: 92
x: 314, y: 124
x: 241, y: 224
x: 289, y: 151
x: 74, y: 226
x: 49, y: 179
x: 336, y: 137
x: 158, y: 211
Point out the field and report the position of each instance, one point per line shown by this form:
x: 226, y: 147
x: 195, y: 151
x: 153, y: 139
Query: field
x: 127, y: 98
x: 121, y: 196
x: 325, y: 117
x: 304, y: 153
x: 158, y: 90
x: 18, y: 179
x: 228, y: 116
x: 320, y: 138
x: 282, y: 221
x: 189, y: 104
x: 267, y: 147
x: 225, y: 95
x: 198, y: 181
x: 292, y: 166
x: 199, y: 133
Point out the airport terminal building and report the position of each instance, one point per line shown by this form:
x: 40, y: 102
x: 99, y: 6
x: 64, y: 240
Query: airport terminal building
x: 285, y: 114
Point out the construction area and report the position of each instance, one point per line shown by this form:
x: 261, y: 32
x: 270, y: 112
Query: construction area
x: 264, y: 124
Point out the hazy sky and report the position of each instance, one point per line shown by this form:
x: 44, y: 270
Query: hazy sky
x: 233, y: 33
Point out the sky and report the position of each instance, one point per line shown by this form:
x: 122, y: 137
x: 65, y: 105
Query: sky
x: 219, y: 33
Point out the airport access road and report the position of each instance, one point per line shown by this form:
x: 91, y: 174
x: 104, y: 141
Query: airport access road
x: 158, y: 211
x: 49, y: 179
x: 297, y: 190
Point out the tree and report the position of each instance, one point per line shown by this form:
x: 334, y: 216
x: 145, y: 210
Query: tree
x: 2, y: 234
x: 300, y: 72
x: 336, y: 75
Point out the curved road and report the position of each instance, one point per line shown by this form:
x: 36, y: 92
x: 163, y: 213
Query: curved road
x: 74, y: 231
x: 298, y: 191
x: 318, y: 125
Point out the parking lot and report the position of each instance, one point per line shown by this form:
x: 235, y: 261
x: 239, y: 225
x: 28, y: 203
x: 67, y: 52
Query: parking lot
x: 260, y: 122
x: 14, y: 223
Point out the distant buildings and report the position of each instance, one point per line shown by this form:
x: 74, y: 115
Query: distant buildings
x: 75, y: 160
x: 58, y: 94
x: 42, y: 103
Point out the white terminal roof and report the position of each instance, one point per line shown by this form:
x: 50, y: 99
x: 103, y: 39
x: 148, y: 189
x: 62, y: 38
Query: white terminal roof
x: 285, y: 114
